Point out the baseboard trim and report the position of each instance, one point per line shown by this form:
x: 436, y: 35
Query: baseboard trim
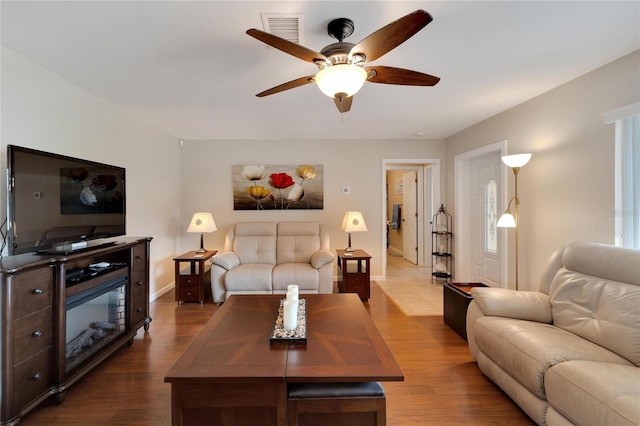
x: 162, y: 291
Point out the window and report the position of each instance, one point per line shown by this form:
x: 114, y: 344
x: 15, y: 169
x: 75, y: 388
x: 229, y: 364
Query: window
x: 627, y: 170
x: 490, y: 217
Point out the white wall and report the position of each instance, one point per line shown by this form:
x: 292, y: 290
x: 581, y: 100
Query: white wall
x: 566, y: 191
x: 207, y: 184
x: 42, y: 111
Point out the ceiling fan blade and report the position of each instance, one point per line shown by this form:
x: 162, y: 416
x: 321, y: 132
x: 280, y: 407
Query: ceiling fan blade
x: 343, y: 104
x: 391, y: 36
x: 287, y: 46
x: 288, y: 85
x: 392, y: 75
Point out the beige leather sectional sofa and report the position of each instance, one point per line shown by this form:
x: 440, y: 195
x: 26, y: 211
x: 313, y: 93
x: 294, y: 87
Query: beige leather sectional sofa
x: 570, y: 353
x: 266, y: 257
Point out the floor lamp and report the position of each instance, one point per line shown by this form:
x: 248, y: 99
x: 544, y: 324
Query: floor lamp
x: 509, y: 220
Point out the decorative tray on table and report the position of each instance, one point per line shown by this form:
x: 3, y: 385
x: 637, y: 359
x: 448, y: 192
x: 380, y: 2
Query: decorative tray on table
x: 298, y: 334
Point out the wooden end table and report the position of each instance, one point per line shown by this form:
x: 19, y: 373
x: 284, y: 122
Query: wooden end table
x: 193, y: 284
x: 457, y: 297
x: 353, y: 273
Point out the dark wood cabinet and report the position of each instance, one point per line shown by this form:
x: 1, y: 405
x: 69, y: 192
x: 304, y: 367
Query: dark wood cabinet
x: 139, y: 290
x: 193, y: 283
x: 457, y: 297
x: 35, y: 298
x: 353, y: 273
x: 27, y: 337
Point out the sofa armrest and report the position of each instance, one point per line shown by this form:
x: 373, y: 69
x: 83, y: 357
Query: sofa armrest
x: 525, y: 305
x: 321, y: 258
x: 227, y: 260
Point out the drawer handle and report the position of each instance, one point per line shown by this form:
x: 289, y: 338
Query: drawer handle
x: 138, y: 257
x: 139, y: 309
x: 36, y: 333
x: 36, y: 376
x: 37, y: 291
x: 139, y: 283
x: 188, y: 293
x: 188, y: 281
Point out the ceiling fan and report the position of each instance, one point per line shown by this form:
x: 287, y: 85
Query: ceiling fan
x: 342, y: 65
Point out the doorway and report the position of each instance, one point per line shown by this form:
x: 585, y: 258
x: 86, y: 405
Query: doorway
x: 480, y: 180
x: 422, y: 179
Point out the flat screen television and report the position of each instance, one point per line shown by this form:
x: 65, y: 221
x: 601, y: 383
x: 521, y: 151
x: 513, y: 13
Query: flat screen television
x: 57, y: 203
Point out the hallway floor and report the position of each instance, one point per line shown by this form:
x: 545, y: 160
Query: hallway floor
x: 400, y: 270
x: 411, y: 288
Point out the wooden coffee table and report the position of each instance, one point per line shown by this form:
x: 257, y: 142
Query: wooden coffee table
x: 232, y: 375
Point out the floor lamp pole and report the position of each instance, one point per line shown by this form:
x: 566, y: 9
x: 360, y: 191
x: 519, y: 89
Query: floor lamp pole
x: 509, y: 220
x: 517, y: 201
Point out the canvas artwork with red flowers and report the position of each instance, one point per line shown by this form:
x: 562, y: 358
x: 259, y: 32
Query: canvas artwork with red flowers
x: 269, y: 187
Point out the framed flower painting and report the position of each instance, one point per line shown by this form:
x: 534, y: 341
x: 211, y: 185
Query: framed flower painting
x: 266, y: 187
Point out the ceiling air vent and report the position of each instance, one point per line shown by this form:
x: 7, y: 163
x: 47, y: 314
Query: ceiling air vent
x: 284, y: 25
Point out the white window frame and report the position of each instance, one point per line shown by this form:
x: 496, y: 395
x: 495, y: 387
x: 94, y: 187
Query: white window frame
x: 627, y: 174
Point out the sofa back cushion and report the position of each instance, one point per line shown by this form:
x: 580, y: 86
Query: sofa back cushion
x: 596, y: 295
x: 297, y: 241
x: 255, y: 242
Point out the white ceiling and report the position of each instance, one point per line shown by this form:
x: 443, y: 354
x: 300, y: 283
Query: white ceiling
x: 189, y: 68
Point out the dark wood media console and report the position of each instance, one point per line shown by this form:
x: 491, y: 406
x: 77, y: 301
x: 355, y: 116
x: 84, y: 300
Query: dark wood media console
x: 63, y: 314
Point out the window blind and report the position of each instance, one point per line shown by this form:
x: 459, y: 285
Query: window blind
x: 627, y: 174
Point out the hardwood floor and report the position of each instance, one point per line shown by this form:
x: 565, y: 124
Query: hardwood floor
x: 442, y: 386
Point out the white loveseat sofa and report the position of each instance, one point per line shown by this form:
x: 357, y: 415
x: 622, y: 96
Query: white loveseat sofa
x: 570, y: 353
x: 266, y: 257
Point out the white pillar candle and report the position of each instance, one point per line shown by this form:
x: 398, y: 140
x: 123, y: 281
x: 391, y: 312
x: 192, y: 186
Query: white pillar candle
x: 292, y: 288
x: 290, y: 314
x: 292, y: 295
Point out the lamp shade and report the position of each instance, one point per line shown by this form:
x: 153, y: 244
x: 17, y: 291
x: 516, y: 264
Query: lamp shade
x: 506, y: 221
x: 516, y: 160
x: 202, y: 223
x: 341, y: 78
x: 353, y: 222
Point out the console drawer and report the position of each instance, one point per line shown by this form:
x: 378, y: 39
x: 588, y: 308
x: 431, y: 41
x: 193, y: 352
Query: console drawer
x: 32, y: 334
x: 138, y: 302
x: 32, y: 291
x: 139, y: 264
x: 32, y: 377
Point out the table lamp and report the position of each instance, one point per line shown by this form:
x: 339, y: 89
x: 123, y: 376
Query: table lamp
x: 353, y: 222
x: 202, y: 222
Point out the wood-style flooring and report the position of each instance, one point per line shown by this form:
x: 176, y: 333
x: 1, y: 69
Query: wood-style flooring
x: 442, y: 386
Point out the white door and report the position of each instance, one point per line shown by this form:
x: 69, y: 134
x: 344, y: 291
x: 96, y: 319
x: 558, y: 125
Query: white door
x: 409, y: 217
x: 485, y: 210
x: 424, y: 255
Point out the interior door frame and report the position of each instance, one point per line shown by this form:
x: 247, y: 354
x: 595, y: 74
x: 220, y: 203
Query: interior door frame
x: 421, y: 165
x: 463, y: 197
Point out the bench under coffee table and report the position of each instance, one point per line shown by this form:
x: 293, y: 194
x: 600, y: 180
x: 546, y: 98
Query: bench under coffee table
x: 232, y: 375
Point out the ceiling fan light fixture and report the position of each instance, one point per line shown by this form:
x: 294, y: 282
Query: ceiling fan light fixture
x: 341, y: 78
